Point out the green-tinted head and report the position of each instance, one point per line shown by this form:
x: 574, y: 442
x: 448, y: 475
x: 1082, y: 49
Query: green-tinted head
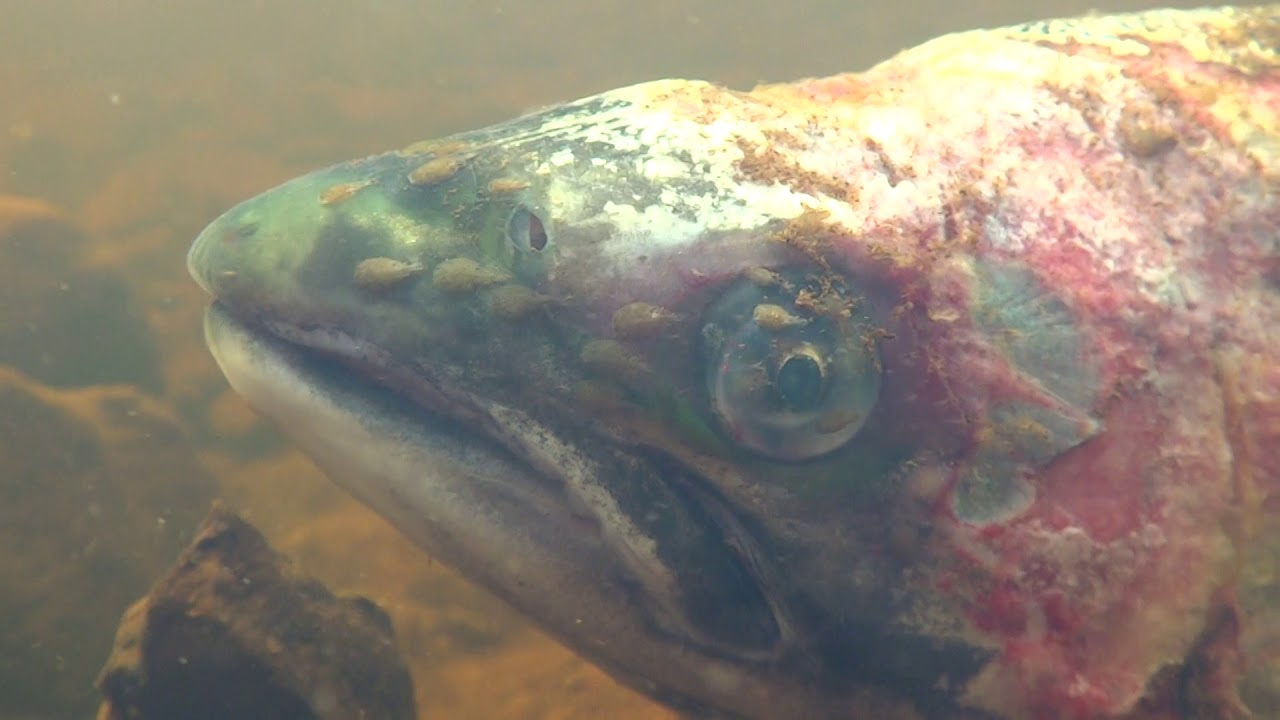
x: 601, y: 320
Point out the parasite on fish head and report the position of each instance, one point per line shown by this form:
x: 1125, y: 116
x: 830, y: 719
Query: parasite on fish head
x: 381, y: 273
x: 462, y: 275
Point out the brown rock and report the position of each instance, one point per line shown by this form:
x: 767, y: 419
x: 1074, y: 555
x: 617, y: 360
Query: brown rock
x: 233, y: 631
x: 99, y: 491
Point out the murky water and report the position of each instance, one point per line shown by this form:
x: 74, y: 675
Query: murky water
x: 125, y: 127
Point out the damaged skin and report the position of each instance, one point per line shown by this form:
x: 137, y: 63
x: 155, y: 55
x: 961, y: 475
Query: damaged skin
x: 942, y: 390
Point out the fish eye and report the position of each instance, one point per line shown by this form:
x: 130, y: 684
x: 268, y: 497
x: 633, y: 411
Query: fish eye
x: 526, y: 231
x: 792, y: 371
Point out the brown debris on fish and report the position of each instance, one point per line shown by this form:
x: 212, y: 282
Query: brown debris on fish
x: 775, y: 317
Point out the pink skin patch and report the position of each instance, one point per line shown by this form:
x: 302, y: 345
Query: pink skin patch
x: 1116, y: 562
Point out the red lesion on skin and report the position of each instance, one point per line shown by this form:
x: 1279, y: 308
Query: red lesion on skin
x: 1110, y: 579
x: 1001, y: 610
x: 1112, y: 573
x: 1126, y: 528
x: 1098, y: 486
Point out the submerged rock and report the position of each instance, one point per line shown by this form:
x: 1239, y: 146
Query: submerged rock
x: 233, y: 631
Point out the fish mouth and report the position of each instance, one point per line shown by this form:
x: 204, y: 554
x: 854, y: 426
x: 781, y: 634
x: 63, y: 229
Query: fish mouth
x: 327, y: 367
x: 491, y: 491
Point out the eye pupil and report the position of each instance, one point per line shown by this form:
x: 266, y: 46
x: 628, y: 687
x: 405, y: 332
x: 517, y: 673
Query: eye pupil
x: 799, y: 382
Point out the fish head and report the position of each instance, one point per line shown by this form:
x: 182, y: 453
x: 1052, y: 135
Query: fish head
x: 825, y: 396
x: 558, y: 353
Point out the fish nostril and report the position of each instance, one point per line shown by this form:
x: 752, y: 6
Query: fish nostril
x: 213, y: 258
x: 246, y: 229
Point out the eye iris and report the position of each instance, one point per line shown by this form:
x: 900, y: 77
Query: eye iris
x: 799, y: 382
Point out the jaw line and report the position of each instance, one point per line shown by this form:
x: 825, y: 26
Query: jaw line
x: 505, y: 471
x: 460, y: 498
x: 287, y: 375
x: 471, y: 504
x: 560, y: 464
x: 570, y: 474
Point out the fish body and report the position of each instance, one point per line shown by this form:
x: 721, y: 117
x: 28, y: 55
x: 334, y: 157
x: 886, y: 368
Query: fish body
x: 946, y: 388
